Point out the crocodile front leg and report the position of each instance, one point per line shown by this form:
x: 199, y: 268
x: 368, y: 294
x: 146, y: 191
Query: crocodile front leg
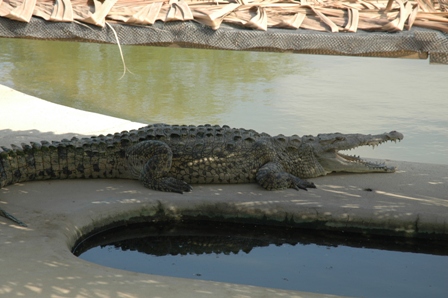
x: 150, y: 162
x: 272, y: 176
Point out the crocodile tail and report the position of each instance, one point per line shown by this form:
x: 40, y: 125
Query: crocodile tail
x: 2, y: 176
x: 97, y: 157
x: 7, y: 178
x: 34, y: 161
x: 6, y: 173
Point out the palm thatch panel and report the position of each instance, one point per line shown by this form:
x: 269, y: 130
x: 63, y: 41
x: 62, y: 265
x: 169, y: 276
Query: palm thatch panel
x: 320, y: 15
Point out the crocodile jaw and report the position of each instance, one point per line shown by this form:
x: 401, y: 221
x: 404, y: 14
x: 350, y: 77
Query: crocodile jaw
x: 345, y: 163
x: 327, y: 149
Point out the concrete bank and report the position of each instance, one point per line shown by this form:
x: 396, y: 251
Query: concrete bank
x: 36, y: 260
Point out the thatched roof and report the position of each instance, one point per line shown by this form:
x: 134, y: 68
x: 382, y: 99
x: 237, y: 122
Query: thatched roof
x: 320, y: 15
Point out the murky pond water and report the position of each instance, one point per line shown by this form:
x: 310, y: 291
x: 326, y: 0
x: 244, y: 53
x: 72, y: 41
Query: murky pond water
x: 270, y: 92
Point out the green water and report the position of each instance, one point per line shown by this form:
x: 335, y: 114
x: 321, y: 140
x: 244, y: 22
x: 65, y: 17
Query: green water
x: 271, y: 92
x: 166, y: 84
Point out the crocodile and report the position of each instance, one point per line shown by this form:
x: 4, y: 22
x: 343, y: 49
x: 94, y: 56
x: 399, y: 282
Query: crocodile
x: 171, y: 157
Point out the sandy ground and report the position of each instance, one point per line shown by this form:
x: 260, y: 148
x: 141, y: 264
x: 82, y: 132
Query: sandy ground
x: 36, y: 260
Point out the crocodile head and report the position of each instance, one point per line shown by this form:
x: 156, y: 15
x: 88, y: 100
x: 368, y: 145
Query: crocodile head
x: 327, y: 147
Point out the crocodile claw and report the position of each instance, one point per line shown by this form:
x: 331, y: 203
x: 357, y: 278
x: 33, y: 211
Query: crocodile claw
x: 174, y: 185
x: 298, y: 183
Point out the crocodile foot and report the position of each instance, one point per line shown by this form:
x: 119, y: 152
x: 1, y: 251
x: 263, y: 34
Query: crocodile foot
x: 168, y: 184
x: 272, y: 176
x: 298, y: 183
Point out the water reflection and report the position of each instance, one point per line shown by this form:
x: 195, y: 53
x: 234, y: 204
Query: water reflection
x: 271, y: 92
x: 294, y: 259
x: 166, y: 84
x: 197, y: 237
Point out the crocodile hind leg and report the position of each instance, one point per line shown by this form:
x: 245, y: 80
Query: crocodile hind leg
x: 272, y: 176
x: 150, y: 162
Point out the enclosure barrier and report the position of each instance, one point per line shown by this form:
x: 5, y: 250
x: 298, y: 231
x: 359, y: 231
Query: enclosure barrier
x: 392, y: 28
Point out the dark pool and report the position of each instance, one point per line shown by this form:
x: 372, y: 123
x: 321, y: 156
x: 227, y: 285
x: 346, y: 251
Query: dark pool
x: 294, y: 259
